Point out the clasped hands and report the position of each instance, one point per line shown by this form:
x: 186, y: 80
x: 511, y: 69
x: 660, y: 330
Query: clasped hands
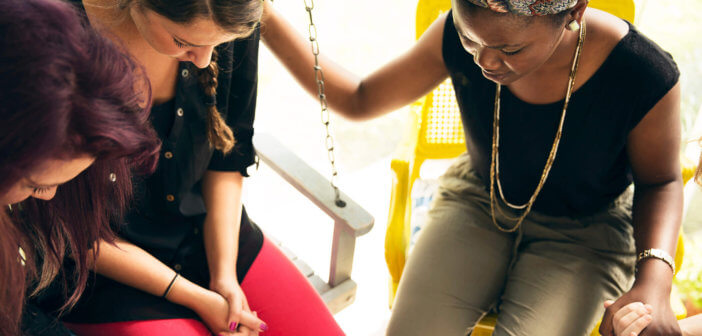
x: 225, y: 311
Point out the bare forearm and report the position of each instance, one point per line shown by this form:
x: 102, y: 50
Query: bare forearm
x: 394, y: 85
x: 221, y: 245
x: 130, y: 265
x: 222, y: 193
x: 294, y: 51
x: 692, y: 326
x: 657, y: 216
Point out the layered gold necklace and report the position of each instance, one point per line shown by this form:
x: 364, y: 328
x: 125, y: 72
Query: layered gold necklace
x: 495, y: 162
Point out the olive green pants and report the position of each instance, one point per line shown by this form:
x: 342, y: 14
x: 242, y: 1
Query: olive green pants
x: 548, y: 278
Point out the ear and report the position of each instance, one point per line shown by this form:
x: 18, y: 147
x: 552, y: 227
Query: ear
x: 578, y: 11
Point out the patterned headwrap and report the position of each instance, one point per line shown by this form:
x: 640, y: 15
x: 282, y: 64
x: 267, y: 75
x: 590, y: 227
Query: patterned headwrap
x: 526, y: 7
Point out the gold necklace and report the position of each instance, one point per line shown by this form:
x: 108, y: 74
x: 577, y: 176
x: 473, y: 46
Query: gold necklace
x: 495, y: 162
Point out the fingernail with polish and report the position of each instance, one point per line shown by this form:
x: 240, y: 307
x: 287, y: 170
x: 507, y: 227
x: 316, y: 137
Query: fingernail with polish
x: 232, y: 326
x: 264, y: 327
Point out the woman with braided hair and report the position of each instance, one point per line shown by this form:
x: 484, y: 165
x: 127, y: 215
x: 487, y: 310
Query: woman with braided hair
x: 187, y: 260
x: 563, y: 107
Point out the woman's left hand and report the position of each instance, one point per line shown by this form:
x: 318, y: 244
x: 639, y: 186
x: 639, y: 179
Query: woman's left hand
x: 232, y: 292
x: 657, y: 295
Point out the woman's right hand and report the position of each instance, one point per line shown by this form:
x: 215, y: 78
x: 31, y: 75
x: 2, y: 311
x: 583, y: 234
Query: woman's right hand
x: 631, y: 319
x: 213, y: 309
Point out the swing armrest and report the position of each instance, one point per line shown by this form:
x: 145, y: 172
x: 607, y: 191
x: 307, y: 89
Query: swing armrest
x: 350, y: 221
x: 312, y: 184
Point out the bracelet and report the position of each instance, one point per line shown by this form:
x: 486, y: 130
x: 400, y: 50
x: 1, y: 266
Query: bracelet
x: 658, y: 254
x: 168, y: 290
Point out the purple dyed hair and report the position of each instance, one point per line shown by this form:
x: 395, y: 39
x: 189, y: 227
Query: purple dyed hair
x: 65, y: 91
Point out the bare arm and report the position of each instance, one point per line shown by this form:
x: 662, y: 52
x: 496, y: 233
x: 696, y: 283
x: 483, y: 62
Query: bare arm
x: 692, y: 326
x: 654, y: 152
x: 653, y: 148
x: 394, y: 85
x: 222, y: 194
x: 128, y: 264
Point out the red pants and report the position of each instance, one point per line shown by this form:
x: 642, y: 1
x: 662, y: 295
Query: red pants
x: 274, y: 288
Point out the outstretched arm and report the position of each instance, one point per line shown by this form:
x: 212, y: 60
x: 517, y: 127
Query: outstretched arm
x: 394, y: 85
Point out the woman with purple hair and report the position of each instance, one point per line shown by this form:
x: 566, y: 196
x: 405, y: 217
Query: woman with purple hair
x: 564, y: 108
x: 74, y: 129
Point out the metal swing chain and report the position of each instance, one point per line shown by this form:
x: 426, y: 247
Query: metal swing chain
x: 319, y: 78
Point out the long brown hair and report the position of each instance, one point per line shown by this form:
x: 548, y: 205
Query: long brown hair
x: 239, y: 17
x: 65, y: 91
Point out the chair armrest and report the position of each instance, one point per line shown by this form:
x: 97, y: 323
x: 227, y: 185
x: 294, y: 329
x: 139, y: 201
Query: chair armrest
x: 312, y: 184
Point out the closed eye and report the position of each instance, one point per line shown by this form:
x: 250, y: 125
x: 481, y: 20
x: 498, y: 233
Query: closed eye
x: 178, y: 43
x: 40, y: 190
x: 510, y: 53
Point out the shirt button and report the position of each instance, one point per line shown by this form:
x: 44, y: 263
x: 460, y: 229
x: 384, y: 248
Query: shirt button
x: 180, y: 112
x: 170, y: 198
x: 168, y: 155
x: 177, y: 267
x: 185, y: 73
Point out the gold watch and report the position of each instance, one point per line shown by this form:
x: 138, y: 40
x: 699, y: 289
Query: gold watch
x: 658, y: 254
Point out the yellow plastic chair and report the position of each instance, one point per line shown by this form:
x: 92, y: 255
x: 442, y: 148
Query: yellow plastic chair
x: 436, y: 132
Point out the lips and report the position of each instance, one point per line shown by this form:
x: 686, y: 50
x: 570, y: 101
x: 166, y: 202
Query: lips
x: 495, y: 76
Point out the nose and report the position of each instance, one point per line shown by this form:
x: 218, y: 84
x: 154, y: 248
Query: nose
x: 487, y: 59
x: 46, y: 195
x: 201, y: 56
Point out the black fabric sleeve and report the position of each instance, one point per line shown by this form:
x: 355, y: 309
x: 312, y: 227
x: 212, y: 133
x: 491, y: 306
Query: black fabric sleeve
x: 650, y: 73
x: 241, y: 107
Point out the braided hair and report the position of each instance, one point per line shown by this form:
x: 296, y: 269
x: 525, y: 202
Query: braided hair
x: 219, y: 133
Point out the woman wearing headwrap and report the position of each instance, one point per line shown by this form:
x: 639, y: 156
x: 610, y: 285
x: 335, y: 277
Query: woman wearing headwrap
x: 564, y: 108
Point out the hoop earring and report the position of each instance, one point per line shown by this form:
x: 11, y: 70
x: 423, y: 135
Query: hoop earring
x: 573, y: 25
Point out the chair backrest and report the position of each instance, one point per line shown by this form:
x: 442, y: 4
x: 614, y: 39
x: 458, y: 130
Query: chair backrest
x: 625, y: 9
x: 439, y: 123
x: 441, y: 134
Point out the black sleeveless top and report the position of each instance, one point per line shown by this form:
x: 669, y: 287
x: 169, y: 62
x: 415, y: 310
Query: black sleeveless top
x: 591, y: 168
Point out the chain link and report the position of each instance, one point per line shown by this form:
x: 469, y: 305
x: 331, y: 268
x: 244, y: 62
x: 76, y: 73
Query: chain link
x: 319, y: 78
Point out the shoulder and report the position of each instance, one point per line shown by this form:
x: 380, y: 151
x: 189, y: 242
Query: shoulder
x: 604, y: 33
x: 626, y: 49
x: 630, y: 62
